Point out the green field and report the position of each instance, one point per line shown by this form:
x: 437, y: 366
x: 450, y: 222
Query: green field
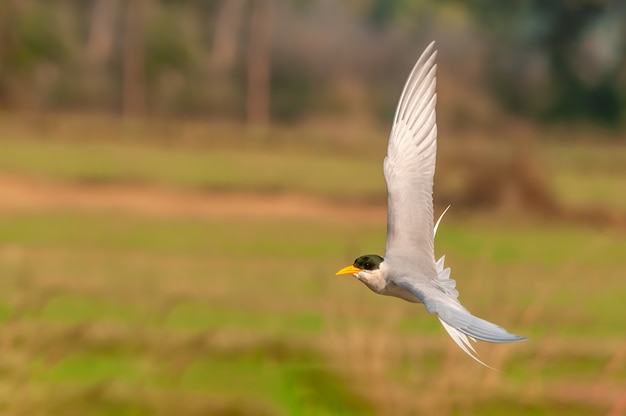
x: 207, y: 170
x: 118, y: 313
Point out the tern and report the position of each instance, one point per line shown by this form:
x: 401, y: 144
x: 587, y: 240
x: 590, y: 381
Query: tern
x: 408, y: 269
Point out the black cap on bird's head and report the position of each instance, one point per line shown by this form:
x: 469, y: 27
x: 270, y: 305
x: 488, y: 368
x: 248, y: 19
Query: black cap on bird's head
x: 368, y: 262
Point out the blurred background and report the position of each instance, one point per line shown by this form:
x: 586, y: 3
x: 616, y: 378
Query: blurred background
x: 181, y: 179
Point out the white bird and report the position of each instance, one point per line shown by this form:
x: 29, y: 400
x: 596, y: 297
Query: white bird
x: 408, y: 270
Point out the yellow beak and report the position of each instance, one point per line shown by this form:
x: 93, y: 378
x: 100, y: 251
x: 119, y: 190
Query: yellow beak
x: 349, y: 270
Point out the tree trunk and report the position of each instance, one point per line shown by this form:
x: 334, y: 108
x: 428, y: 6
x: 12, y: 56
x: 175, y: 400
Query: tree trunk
x: 100, y: 42
x: 224, y: 52
x: 133, y: 94
x: 259, y: 62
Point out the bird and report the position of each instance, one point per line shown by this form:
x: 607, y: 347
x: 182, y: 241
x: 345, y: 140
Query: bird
x: 408, y: 269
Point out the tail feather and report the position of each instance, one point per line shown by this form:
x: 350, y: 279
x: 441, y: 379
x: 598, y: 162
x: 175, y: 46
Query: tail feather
x: 474, y: 327
x: 444, y: 280
x: 463, y: 341
x: 461, y: 325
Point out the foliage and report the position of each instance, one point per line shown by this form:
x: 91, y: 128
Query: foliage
x: 546, y: 60
x: 569, y: 54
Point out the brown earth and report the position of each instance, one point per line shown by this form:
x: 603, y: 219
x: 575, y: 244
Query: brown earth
x: 27, y: 194
x: 19, y: 194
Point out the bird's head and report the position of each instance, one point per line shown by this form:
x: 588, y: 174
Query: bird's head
x: 364, y: 268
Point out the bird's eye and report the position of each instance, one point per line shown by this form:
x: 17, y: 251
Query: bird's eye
x: 369, y: 266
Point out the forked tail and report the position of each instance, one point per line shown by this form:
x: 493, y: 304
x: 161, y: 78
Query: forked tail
x: 461, y: 325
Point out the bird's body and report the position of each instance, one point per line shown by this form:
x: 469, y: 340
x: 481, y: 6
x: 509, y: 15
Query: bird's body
x: 381, y: 284
x: 408, y: 270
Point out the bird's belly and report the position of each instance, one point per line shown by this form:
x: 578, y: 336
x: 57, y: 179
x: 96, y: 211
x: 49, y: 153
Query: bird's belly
x: 394, y: 290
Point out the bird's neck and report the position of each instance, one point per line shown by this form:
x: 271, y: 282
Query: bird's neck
x: 375, y: 280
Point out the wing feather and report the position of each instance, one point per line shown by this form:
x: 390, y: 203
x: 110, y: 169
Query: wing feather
x: 410, y: 166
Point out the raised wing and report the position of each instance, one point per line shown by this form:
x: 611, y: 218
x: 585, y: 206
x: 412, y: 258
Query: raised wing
x: 410, y: 167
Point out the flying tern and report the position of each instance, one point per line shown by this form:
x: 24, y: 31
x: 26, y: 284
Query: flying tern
x: 408, y: 269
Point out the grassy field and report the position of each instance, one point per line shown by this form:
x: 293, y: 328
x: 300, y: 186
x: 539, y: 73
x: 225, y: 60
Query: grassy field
x: 118, y: 313
x: 224, y: 158
x: 208, y: 170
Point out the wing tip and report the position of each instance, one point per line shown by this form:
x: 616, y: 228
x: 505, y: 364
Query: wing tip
x: 431, y: 52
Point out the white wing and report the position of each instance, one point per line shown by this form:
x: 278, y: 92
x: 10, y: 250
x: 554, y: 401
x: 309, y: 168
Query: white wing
x: 410, y: 166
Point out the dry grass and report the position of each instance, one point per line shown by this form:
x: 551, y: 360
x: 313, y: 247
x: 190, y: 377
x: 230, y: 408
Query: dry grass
x: 130, y: 314
x: 149, y: 298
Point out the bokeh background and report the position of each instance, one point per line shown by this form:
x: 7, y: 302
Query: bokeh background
x: 180, y: 180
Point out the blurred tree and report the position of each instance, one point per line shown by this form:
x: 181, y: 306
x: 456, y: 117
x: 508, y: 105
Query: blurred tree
x: 259, y: 62
x: 166, y: 47
x: 98, y: 53
x: 225, y: 39
x: 547, y: 60
x: 133, y: 82
x: 169, y: 59
x: 224, y: 81
x: 32, y: 49
x: 381, y: 12
x: 538, y: 45
x: 101, y: 33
